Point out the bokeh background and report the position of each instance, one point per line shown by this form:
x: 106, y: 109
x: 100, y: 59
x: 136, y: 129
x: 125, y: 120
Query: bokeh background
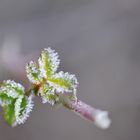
x: 98, y: 40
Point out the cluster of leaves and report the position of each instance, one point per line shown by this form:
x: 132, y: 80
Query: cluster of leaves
x: 16, y: 105
x: 47, y: 83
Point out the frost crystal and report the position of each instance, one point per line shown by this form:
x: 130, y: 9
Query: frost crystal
x: 17, y: 107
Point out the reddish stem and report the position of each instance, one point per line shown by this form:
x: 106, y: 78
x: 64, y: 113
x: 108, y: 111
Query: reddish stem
x: 82, y: 109
x: 98, y: 117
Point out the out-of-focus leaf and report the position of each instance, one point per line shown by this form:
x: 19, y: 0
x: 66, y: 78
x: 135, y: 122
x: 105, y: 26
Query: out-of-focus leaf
x: 5, y: 100
x: 9, y: 113
x: 11, y: 89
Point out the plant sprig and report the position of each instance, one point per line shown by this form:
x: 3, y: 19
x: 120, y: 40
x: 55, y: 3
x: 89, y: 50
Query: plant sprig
x: 51, y: 86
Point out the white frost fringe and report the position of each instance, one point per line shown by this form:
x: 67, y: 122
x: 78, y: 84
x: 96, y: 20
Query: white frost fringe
x: 20, y: 119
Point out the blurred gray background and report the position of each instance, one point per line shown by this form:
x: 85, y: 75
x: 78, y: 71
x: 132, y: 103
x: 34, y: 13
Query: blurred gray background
x: 98, y: 40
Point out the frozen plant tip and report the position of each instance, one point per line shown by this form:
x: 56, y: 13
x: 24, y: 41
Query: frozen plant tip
x: 52, y: 86
x: 101, y: 119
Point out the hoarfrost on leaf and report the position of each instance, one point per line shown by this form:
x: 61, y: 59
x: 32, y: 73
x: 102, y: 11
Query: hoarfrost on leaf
x: 33, y: 73
x: 48, y: 94
x: 48, y: 62
x: 9, y: 113
x: 63, y: 82
x: 23, y: 107
x: 11, y: 89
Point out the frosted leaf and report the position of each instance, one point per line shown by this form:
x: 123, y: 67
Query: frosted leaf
x: 11, y: 89
x: 33, y: 73
x: 63, y: 82
x: 48, y: 94
x: 5, y: 100
x: 23, y: 107
x: 9, y: 113
x: 49, y: 98
x: 48, y: 62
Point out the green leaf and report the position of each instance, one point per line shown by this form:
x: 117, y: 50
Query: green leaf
x: 63, y: 82
x: 9, y: 113
x: 49, y: 98
x: 48, y: 94
x: 5, y: 100
x: 23, y: 107
x: 33, y: 73
x: 48, y: 62
x: 11, y: 89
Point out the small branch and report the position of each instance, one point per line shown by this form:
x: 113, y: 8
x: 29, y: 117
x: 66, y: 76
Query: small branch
x: 98, y: 117
x: 50, y: 85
